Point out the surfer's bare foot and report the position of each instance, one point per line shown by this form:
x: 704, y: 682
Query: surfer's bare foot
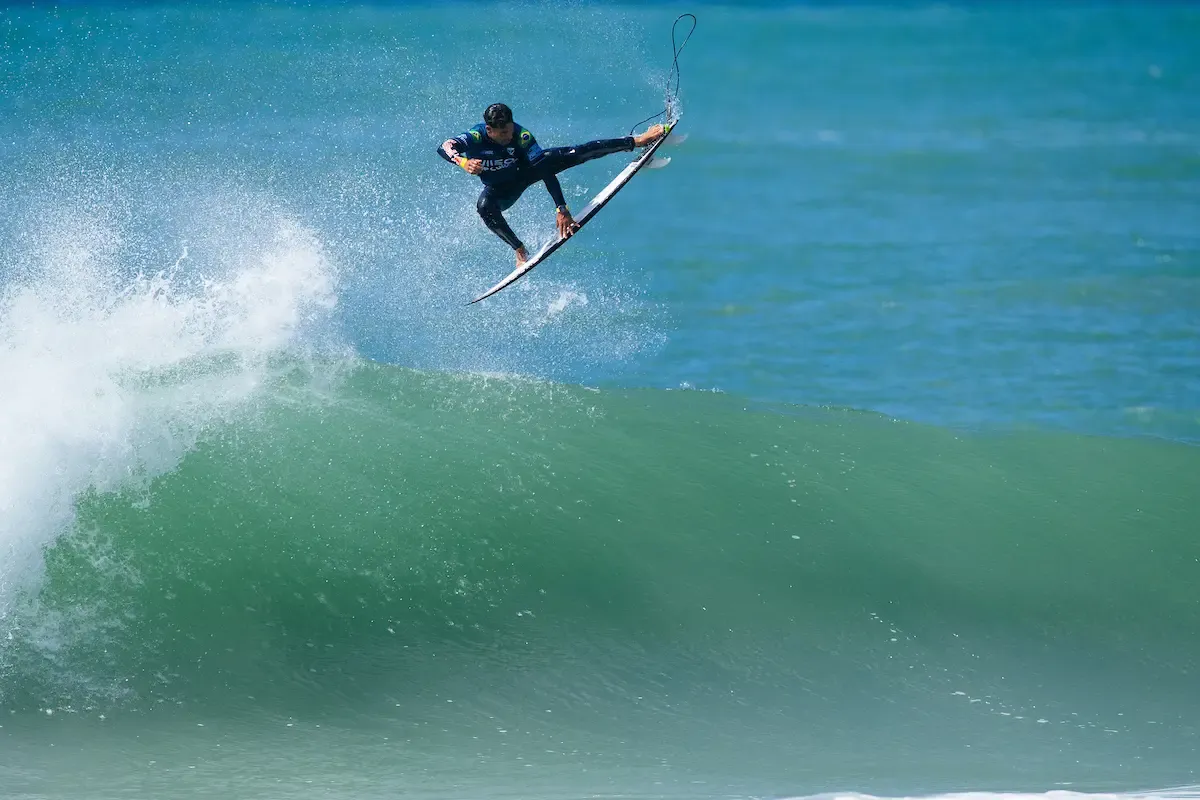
x: 652, y: 134
x: 522, y: 257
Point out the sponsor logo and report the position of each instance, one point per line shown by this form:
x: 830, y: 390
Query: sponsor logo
x: 494, y: 164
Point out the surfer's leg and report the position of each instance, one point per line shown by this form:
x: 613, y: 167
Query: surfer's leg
x: 491, y: 206
x: 556, y: 159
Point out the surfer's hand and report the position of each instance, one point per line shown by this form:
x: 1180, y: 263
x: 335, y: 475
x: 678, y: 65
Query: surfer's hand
x: 651, y: 135
x: 473, y: 166
x: 566, y: 224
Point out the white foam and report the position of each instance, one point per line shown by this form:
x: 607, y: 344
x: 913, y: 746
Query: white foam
x: 107, y: 380
x: 565, y: 299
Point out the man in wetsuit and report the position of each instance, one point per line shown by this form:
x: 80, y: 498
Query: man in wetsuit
x: 509, y: 160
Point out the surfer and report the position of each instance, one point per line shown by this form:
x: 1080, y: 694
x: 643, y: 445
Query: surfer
x: 509, y: 160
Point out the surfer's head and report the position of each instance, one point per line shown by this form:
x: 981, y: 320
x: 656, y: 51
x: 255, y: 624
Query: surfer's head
x: 499, y: 121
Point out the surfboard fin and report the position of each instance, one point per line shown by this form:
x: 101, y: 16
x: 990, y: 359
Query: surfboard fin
x: 658, y: 162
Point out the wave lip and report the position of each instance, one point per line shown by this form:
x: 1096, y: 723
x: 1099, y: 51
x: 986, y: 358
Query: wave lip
x: 109, y: 380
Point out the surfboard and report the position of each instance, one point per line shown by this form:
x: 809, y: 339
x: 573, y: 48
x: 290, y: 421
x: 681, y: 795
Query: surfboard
x: 598, y: 202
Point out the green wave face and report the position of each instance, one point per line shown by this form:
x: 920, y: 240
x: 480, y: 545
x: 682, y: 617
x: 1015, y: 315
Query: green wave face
x: 780, y: 584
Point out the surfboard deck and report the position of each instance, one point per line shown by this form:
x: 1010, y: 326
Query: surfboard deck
x: 598, y: 202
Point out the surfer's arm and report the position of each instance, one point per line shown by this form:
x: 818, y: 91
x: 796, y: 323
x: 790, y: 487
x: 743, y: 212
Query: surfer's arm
x: 453, y: 150
x: 532, y: 152
x: 562, y: 217
x: 556, y: 192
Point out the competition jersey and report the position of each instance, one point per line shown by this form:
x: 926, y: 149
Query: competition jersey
x: 501, y: 164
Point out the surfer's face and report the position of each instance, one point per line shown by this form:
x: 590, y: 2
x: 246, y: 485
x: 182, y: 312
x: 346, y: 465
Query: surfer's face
x: 501, y: 135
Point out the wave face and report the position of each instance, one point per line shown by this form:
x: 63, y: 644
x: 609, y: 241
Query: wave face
x: 279, y: 518
x: 782, y: 589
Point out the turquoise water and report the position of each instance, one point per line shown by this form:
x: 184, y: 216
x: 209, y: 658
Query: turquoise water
x: 852, y: 452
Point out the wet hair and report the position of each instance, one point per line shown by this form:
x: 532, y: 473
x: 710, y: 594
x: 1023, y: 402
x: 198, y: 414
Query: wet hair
x: 497, y: 115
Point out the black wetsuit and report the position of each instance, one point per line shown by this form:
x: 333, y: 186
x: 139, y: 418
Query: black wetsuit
x: 508, y: 170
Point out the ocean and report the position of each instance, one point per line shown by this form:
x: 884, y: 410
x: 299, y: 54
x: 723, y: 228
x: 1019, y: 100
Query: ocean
x: 852, y: 455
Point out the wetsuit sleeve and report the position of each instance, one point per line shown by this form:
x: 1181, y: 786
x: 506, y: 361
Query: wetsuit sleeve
x: 533, y: 153
x: 555, y: 189
x: 457, y: 145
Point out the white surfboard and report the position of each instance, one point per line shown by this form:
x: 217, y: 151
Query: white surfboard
x: 589, y: 211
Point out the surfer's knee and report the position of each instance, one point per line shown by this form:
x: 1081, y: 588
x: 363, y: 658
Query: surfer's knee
x: 486, y: 205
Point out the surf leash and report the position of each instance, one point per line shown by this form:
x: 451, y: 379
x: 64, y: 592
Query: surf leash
x: 671, y: 94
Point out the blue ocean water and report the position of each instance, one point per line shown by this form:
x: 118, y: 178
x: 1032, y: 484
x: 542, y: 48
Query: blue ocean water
x: 281, y: 515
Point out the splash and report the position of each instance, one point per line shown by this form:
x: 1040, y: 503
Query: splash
x: 110, y: 377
